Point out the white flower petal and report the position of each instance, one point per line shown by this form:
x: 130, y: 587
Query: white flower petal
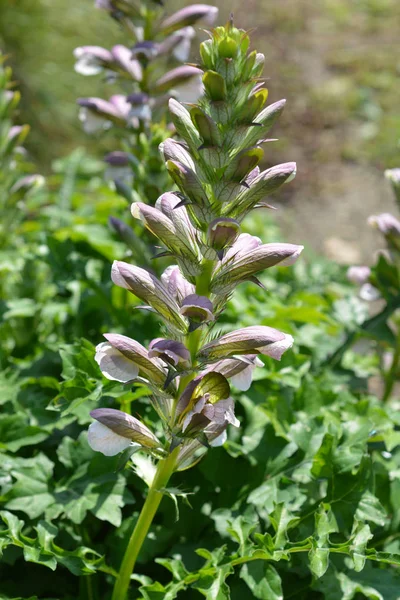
x: 190, y: 91
x: 276, y: 349
x: 369, y: 293
x: 243, y: 379
x: 87, y: 64
x: 102, y: 439
x: 114, y: 365
x: 220, y: 440
x: 92, y: 123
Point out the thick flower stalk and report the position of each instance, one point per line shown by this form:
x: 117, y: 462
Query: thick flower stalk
x: 190, y: 370
x: 150, y: 68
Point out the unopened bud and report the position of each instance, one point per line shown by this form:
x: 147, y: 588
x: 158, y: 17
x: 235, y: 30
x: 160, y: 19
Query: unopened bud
x: 222, y: 232
x: 198, y: 309
x: 215, y: 86
x: 190, y: 15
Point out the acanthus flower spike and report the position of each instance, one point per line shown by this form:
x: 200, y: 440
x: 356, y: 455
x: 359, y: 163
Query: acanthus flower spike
x: 215, y: 165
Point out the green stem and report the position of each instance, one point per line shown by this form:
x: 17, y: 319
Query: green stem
x: 392, y: 374
x: 203, y: 280
x: 164, y: 471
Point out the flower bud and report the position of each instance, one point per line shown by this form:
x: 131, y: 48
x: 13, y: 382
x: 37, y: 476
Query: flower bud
x: 243, y: 164
x: 149, y: 289
x: 249, y: 65
x: 172, y: 227
x: 115, y: 430
x: 91, y: 60
x: 358, y: 275
x: 176, y: 284
x: 199, y: 309
x: 27, y: 184
x: 266, y: 183
x: 228, y: 48
x: 175, y: 78
x: 187, y: 181
x: 183, y: 123
x: 190, y: 15
x: 266, y: 118
x: 173, y: 150
x: 244, y: 260
x: 140, y: 106
x: 206, y: 127
x: 222, y: 232
x: 252, y: 106
x: 170, y: 351
x: 249, y: 340
x: 215, y: 86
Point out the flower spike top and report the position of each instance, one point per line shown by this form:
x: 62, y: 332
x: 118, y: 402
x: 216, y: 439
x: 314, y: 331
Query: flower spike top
x: 215, y: 165
x: 382, y: 281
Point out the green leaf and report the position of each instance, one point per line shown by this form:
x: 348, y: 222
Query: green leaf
x: 263, y: 580
x: 282, y: 520
x: 42, y: 550
x: 16, y: 432
x: 30, y: 492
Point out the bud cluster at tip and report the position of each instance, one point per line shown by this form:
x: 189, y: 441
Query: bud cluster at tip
x: 215, y: 166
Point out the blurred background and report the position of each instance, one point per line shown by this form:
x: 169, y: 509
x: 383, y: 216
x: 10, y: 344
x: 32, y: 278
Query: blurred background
x: 336, y: 61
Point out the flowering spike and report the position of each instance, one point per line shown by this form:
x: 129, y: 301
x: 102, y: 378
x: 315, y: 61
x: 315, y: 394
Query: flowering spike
x: 215, y: 165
